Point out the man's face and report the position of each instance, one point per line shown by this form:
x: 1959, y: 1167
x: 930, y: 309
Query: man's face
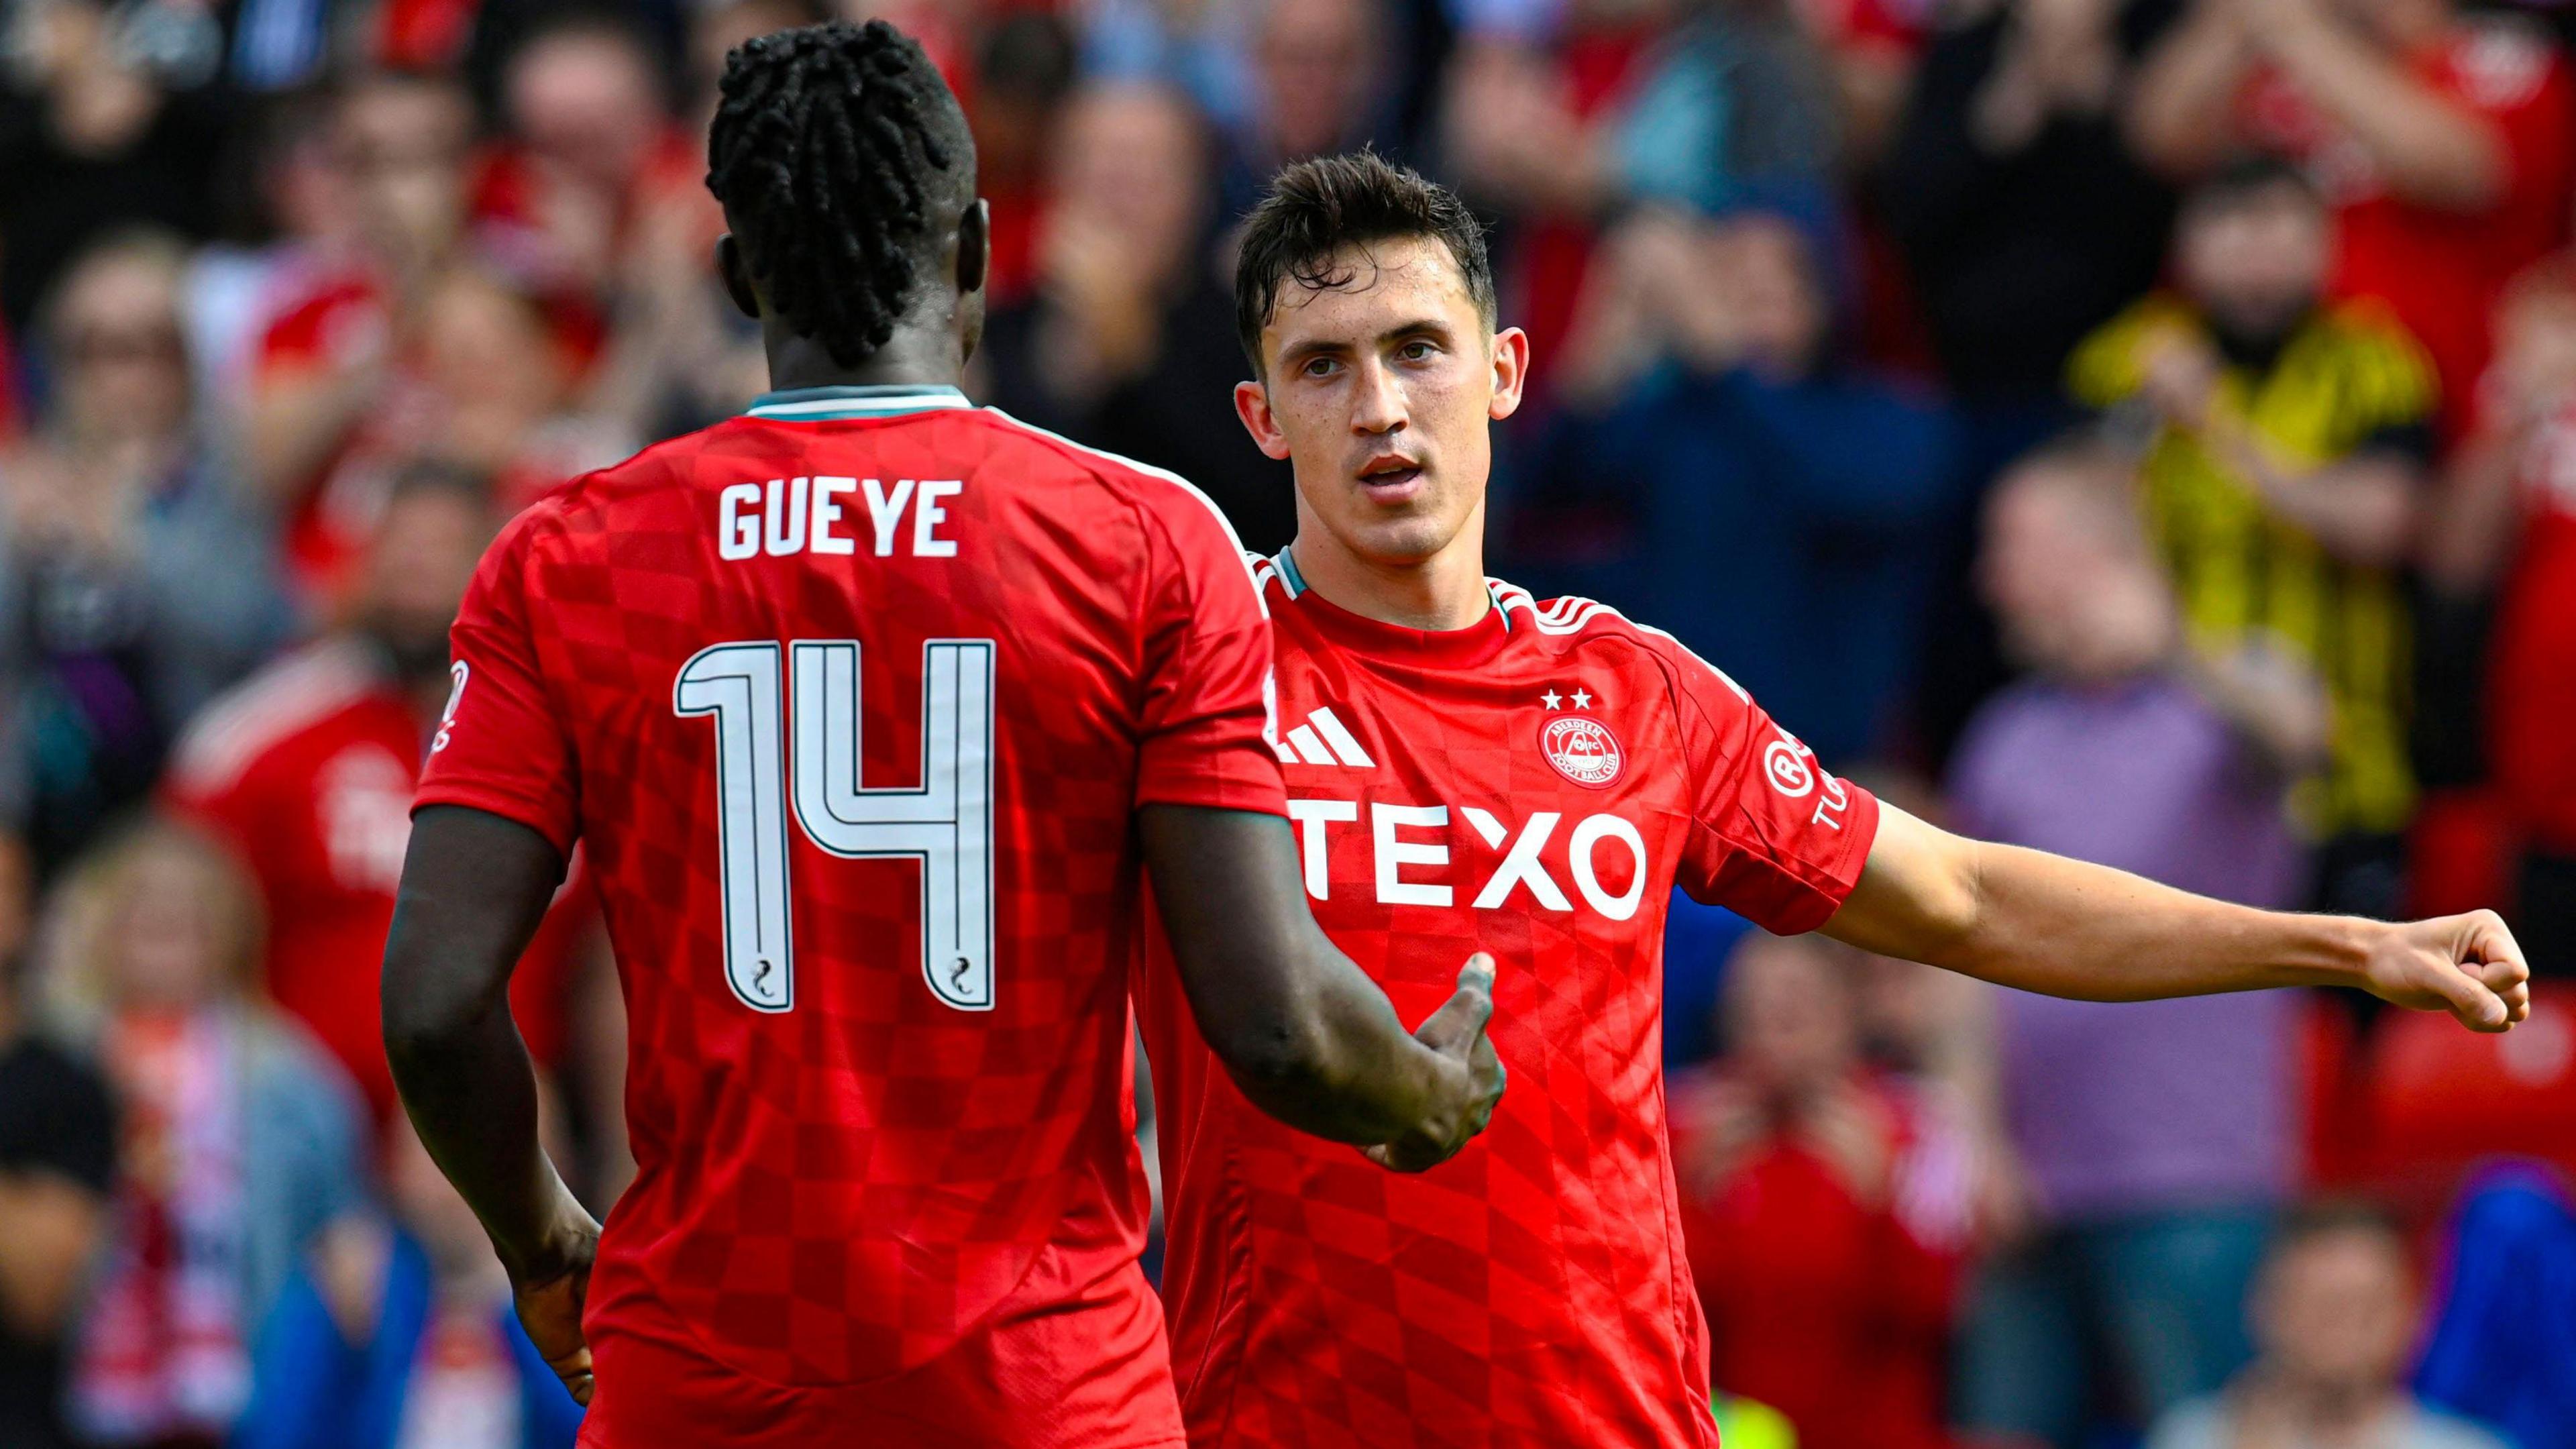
x: 1382, y: 393
x: 586, y: 101
x: 2338, y: 1311
x: 2254, y: 262
x: 400, y: 147
x: 425, y: 553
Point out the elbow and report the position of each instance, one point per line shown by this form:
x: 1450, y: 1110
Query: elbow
x: 422, y: 1023
x: 1283, y: 1056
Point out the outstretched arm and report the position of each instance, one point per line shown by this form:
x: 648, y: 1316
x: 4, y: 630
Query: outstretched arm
x: 2045, y: 923
x: 474, y: 887
x: 1303, y: 1032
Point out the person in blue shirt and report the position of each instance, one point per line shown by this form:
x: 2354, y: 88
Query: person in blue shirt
x: 1773, y: 509
x: 399, y: 1334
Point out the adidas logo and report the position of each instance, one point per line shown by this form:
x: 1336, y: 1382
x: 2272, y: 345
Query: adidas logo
x: 1323, y: 740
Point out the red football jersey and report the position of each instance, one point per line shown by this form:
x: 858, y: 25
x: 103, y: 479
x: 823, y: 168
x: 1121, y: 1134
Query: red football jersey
x: 850, y: 701
x: 307, y: 768
x: 1532, y: 786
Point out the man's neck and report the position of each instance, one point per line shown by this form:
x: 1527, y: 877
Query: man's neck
x: 913, y: 356
x: 1444, y: 591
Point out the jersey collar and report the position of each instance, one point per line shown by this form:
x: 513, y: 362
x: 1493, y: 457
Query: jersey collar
x: 1431, y: 648
x: 835, y: 404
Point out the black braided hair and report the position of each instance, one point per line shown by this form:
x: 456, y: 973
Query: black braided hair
x: 830, y: 147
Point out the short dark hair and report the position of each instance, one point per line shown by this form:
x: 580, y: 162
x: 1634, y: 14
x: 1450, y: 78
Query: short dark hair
x: 2245, y: 175
x: 828, y: 150
x: 2333, y: 1217
x: 1315, y: 208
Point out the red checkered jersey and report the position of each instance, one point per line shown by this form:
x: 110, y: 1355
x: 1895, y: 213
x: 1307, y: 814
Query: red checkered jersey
x: 1533, y: 786
x: 850, y: 701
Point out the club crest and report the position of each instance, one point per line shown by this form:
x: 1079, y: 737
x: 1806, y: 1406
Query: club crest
x: 1582, y: 750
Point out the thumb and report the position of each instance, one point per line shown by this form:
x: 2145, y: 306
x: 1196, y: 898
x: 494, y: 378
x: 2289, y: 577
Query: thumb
x: 1463, y: 1016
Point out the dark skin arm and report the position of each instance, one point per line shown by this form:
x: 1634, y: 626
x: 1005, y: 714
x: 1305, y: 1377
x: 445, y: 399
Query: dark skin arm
x: 1300, y: 1029
x: 1303, y: 1032
x: 474, y: 887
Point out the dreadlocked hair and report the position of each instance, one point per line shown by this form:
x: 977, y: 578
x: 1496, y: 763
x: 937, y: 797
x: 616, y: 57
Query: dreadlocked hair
x: 823, y: 152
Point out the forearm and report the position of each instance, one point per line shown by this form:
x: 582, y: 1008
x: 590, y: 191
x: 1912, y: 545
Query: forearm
x: 1305, y: 1034
x: 2069, y: 928
x: 2043, y: 923
x: 2427, y: 149
x: 2362, y: 511
x: 2182, y: 99
x: 474, y: 888
x: 471, y: 1091
x: 295, y: 426
x: 1344, y: 1067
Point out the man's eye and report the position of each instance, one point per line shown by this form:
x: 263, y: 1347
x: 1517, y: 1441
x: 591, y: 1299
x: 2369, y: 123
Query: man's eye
x: 1416, y: 351
x: 1319, y: 366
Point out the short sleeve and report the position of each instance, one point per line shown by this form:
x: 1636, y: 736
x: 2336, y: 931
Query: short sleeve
x: 1773, y: 837
x: 501, y: 746
x: 1207, y: 697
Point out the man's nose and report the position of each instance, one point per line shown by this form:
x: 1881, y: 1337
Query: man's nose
x: 1379, y: 406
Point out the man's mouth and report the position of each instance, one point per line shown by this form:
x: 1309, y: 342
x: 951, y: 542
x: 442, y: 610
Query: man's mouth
x: 1391, y: 477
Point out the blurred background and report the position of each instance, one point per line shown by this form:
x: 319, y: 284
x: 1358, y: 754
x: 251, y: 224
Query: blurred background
x: 2144, y: 429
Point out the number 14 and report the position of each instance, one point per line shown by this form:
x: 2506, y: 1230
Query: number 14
x: 945, y: 823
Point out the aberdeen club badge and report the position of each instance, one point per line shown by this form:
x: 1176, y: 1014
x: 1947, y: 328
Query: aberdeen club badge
x: 1582, y: 750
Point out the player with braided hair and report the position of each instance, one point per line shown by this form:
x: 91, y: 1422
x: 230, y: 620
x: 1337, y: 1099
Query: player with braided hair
x: 866, y: 707
x: 835, y: 149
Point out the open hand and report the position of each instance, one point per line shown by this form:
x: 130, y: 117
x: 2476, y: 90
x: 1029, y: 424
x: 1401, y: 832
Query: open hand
x: 550, y: 1293
x: 2469, y: 966
x: 1455, y: 1031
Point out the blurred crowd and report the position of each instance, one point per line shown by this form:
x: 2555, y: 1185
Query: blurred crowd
x: 2142, y: 429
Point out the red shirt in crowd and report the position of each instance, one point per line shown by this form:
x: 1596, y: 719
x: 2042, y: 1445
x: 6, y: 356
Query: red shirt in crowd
x: 1832, y: 1309
x: 343, y: 320
x: 2531, y: 703
x: 308, y: 769
x: 850, y: 702
x: 1533, y: 785
x: 2441, y: 271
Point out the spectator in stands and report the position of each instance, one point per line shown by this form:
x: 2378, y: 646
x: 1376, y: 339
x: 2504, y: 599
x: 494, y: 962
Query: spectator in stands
x: 1778, y: 506
x: 1317, y: 72
x: 2501, y: 545
x: 2021, y: 214
x: 105, y: 125
x: 1822, y: 1235
x: 2156, y: 1136
x: 240, y: 1139
x: 1128, y: 342
x: 2444, y: 142
x: 679, y: 355
x: 2335, y: 1317
x: 57, y: 1167
x: 308, y: 769
x: 401, y: 1334
x: 134, y: 582
x: 327, y: 382
x: 590, y: 150
x: 1024, y: 74
x: 2291, y: 446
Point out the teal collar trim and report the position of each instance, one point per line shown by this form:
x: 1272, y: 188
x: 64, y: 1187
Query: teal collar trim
x: 833, y: 404
x: 1289, y: 579
x: 1295, y: 583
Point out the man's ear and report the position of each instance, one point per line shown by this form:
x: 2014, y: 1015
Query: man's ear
x: 737, y: 276
x: 1511, y: 372
x: 1252, y: 404
x: 974, y: 247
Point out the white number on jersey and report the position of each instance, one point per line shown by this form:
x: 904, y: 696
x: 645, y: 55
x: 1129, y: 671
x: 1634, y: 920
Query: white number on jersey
x: 945, y: 823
